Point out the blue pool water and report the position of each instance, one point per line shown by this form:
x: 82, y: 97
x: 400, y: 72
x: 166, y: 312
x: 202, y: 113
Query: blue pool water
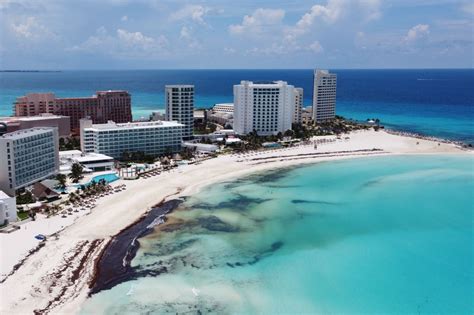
x: 433, y: 102
x: 384, y: 235
x: 109, y: 178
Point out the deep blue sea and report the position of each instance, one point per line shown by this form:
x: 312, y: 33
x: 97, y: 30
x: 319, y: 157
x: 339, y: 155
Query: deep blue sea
x: 432, y: 102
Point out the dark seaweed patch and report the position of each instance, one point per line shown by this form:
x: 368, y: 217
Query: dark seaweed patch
x: 255, y: 259
x: 167, y: 248
x: 113, y: 267
x: 321, y: 202
x: 240, y: 202
x: 213, y: 223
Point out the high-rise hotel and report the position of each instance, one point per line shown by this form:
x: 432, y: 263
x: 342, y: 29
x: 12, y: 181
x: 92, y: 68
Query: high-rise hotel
x: 324, y: 95
x: 266, y: 107
x: 101, y: 107
x: 151, y: 138
x: 179, y: 101
x: 27, y: 156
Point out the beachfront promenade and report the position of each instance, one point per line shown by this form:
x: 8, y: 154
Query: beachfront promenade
x: 59, y: 282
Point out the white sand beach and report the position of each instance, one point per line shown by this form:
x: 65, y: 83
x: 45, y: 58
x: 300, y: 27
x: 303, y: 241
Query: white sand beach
x: 55, y: 278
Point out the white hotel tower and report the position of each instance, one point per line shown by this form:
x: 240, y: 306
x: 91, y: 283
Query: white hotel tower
x: 152, y: 138
x: 179, y: 101
x: 267, y: 107
x: 324, y: 95
x: 28, y: 156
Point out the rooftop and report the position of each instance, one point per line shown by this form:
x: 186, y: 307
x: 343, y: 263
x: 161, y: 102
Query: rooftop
x: 26, y: 132
x: 134, y: 125
x: 3, y: 195
x: 265, y: 84
x: 179, y: 86
x: 32, y: 118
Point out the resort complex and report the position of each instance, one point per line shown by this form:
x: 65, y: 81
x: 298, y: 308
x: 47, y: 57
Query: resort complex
x: 101, y: 107
x: 265, y: 107
x: 81, y: 179
x: 152, y: 138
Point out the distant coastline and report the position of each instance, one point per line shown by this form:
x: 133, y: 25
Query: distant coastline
x: 29, y: 71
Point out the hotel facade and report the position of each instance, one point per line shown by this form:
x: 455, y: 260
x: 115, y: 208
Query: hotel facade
x: 27, y: 156
x: 266, y: 107
x: 101, y: 107
x: 324, y: 95
x: 298, y: 105
x: 179, y: 101
x: 153, y: 138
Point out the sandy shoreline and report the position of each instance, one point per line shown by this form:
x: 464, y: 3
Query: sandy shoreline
x: 56, y: 278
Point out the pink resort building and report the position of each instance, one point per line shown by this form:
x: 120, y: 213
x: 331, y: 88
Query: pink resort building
x: 100, y: 108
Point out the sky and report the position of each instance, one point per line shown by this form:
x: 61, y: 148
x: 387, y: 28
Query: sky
x: 177, y: 34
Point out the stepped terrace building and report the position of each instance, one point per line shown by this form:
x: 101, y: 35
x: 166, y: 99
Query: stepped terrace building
x: 27, y: 156
x: 152, y: 138
x: 43, y: 120
x: 101, y: 107
x: 179, y: 101
x: 266, y: 107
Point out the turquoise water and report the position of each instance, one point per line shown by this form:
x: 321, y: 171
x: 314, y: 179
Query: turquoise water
x: 385, y: 235
x: 109, y: 178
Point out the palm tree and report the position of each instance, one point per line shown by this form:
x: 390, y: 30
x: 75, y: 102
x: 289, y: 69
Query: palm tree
x: 76, y: 172
x: 61, y: 178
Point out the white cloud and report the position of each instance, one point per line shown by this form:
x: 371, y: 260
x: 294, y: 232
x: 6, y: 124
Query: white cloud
x: 329, y: 13
x: 332, y: 12
x: 316, y: 47
x: 193, y: 12
x: 123, y: 44
x: 417, y: 32
x: 229, y: 50
x: 468, y: 8
x: 32, y: 29
x: 371, y: 8
x: 124, y: 18
x: 186, y: 34
x: 258, y: 21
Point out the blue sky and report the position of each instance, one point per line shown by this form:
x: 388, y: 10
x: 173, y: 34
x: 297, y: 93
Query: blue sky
x: 156, y: 34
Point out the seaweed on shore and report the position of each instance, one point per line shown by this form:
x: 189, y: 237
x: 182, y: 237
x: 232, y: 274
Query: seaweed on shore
x: 113, y: 266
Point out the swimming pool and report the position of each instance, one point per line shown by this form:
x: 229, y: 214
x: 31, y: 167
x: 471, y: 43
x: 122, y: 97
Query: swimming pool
x: 110, y: 177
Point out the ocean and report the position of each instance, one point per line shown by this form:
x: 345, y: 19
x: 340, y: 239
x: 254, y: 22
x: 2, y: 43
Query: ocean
x: 379, y: 235
x: 431, y: 102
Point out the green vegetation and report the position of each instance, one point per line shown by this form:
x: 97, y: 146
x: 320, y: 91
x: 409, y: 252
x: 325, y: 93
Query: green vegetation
x: 25, y: 198
x: 337, y: 126
x: 205, y: 128
x: 23, y: 215
x: 187, y: 153
x: 76, y: 172
x: 61, y: 178
x: 71, y: 143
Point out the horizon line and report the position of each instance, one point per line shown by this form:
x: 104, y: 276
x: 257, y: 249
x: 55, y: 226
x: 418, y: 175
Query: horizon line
x: 222, y: 69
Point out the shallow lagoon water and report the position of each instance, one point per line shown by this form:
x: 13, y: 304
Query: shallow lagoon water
x: 374, y: 235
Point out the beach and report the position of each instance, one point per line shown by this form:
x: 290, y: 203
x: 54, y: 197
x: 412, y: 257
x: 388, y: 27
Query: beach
x: 55, y: 279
